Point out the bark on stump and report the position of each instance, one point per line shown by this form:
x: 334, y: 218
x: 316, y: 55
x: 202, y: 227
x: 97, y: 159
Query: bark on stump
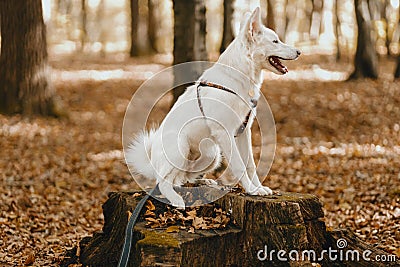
x: 288, y: 222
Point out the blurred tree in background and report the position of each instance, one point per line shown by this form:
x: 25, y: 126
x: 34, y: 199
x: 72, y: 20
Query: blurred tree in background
x: 189, y: 35
x: 134, y: 4
x: 366, y: 59
x: 270, y: 23
x: 397, y: 71
x: 142, y: 16
x: 84, y: 24
x: 316, y: 19
x: 227, y: 31
x: 153, y: 23
x: 24, y: 84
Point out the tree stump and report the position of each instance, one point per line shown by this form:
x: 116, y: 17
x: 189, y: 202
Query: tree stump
x: 290, y: 222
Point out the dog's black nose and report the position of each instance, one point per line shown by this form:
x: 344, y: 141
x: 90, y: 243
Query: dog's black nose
x: 298, y: 52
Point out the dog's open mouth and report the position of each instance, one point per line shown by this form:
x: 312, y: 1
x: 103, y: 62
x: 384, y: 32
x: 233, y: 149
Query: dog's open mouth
x: 277, y: 64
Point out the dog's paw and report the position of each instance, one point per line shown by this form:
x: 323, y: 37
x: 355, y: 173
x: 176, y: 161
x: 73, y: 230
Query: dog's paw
x: 205, y: 181
x: 262, y: 191
x: 178, y: 203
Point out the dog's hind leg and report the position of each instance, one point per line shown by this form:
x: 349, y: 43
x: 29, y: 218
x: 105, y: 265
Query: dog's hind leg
x: 169, y: 159
x: 166, y: 188
x: 166, y: 177
x: 209, y: 159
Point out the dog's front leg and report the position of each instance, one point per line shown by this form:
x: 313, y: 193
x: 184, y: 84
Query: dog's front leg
x: 235, y: 162
x: 244, y: 145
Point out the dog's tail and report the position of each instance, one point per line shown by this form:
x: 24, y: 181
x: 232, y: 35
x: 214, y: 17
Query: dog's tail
x: 138, y: 154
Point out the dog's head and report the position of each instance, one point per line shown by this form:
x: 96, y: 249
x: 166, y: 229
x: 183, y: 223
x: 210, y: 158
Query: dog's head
x: 264, y: 45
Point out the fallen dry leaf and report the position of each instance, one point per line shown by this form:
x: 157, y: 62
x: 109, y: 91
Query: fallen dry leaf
x: 191, y: 214
x: 149, y: 213
x: 397, y: 252
x: 198, y: 223
x: 30, y: 259
x: 150, y: 206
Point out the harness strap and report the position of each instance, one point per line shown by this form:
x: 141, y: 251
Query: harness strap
x: 243, y: 126
x: 209, y: 84
x: 253, y: 101
x: 199, y: 101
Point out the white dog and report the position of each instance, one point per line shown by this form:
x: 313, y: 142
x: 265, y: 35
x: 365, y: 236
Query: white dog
x: 214, y: 116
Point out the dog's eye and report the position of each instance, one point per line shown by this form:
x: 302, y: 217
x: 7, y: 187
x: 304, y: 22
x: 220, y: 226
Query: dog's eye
x: 275, y: 41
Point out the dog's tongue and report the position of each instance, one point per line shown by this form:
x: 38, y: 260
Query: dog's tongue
x: 278, y: 64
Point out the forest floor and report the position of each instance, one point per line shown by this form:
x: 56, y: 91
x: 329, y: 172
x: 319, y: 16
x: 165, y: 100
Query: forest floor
x: 338, y: 140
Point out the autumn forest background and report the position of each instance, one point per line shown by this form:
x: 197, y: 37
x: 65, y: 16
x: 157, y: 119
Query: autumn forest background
x: 68, y: 69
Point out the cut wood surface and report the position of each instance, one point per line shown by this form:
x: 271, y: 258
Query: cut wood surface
x: 261, y: 226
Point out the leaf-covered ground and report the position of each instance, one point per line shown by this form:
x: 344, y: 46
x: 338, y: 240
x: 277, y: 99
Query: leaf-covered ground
x: 338, y: 140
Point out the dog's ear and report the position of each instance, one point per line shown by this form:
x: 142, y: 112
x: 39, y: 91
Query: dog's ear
x: 252, y: 24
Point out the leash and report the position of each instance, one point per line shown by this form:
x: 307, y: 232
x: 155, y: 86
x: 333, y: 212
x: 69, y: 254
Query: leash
x: 126, y: 249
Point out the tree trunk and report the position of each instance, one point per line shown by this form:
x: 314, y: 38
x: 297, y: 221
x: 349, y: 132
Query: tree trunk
x: 316, y: 19
x: 200, y: 49
x: 84, y: 25
x: 389, y: 33
x: 189, y: 35
x: 24, y: 71
x: 102, y: 35
x: 152, y: 23
x: 397, y: 72
x: 270, y: 16
x: 142, y: 28
x: 134, y: 5
x: 337, y: 28
x: 366, y: 58
x: 281, y: 21
x: 259, y: 226
x: 227, y: 32
x: 155, y: 21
